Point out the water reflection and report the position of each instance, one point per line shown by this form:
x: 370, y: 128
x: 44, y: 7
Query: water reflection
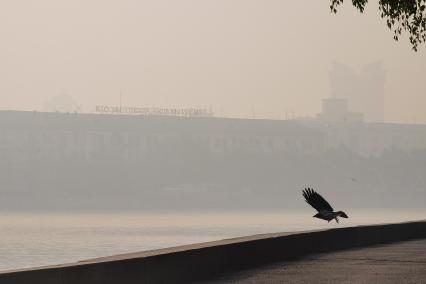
x: 36, y: 239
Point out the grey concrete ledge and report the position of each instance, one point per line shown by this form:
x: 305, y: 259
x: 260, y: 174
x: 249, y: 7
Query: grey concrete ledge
x: 209, y: 260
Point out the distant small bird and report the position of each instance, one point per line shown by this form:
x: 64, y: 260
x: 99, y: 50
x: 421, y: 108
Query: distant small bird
x: 325, y: 211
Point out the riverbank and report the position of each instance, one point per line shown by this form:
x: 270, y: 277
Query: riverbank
x: 213, y: 259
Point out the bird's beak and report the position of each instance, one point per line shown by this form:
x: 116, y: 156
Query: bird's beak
x: 344, y: 215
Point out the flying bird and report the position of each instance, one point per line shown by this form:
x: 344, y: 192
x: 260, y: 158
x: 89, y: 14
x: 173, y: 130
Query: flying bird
x: 325, y: 211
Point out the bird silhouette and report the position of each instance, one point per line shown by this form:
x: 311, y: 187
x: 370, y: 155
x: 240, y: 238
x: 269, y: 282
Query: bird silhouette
x: 325, y: 211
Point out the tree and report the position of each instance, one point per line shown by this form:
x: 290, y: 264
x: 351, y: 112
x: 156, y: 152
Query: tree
x: 400, y: 15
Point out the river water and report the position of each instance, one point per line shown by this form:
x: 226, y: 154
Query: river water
x: 38, y: 239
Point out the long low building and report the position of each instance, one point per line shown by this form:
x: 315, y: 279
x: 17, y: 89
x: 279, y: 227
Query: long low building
x: 371, y: 139
x: 59, y: 160
x: 88, y: 136
x: 56, y: 135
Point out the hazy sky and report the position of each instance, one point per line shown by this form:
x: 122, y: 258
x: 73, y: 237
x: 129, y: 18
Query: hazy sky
x: 231, y: 55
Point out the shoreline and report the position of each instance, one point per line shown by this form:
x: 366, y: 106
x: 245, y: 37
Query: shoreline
x: 211, y: 259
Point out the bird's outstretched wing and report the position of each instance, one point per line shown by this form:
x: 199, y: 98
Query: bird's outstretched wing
x: 315, y: 200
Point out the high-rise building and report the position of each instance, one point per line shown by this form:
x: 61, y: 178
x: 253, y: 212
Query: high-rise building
x: 336, y: 110
x: 364, y: 91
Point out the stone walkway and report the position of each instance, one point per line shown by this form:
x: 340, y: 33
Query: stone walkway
x: 395, y: 263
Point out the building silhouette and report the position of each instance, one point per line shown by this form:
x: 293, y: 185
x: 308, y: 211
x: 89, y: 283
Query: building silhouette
x: 363, y: 91
x: 337, y: 110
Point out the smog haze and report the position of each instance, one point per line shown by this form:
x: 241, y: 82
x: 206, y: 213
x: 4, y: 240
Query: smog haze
x: 240, y: 58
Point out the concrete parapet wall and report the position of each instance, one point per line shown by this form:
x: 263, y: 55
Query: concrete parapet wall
x: 208, y: 260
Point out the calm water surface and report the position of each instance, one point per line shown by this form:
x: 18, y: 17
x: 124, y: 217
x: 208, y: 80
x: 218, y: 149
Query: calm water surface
x: 37, y: 239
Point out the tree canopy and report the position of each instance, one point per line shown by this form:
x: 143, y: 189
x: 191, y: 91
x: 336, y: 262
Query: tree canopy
x: 400, y: 15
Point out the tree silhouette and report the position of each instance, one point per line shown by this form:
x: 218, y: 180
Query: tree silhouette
x: 400, y: 15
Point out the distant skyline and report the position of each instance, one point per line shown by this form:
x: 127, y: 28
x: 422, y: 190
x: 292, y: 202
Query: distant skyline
x: 240, y: 57
x: 363, y: 90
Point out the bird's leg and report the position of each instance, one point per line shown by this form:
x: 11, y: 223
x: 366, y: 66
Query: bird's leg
x: 337, y: 220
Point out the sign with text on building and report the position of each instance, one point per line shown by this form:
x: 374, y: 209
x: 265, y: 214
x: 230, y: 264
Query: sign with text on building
x: 187, y: 112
